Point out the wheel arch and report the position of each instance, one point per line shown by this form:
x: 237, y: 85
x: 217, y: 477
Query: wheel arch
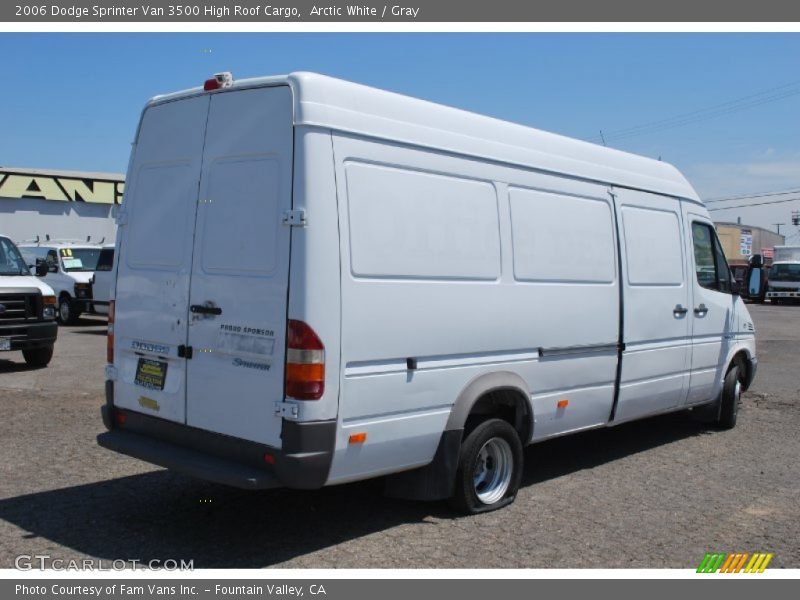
x: 743, y: 360
x: 491, y: 390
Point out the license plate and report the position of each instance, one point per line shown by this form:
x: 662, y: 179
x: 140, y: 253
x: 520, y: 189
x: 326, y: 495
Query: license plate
x: 5, y: 344
x: 151, y: 374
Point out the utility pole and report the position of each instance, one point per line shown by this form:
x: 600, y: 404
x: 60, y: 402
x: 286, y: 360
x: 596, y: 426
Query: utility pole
x: 778, y: 225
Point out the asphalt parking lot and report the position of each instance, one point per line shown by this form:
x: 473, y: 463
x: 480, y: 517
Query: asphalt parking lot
x: 657, y: 493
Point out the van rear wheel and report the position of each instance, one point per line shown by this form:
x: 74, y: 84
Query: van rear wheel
x: 489, y: 468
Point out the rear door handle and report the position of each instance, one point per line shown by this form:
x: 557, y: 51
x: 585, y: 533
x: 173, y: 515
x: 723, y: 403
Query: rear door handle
x: 679, y: 310
x: 205, y: 310
x: 701, y: 310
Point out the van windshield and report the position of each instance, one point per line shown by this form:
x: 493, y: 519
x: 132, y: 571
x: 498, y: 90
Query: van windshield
x: 11, y: 262
x: 79, y: 259
x: 785, y: 272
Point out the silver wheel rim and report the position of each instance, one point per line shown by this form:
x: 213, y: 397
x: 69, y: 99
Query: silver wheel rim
x: 737, y: 393
x: 63, y: 310
x: 493, y: 469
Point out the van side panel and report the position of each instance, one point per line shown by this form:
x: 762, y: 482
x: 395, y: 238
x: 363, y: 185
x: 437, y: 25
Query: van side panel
x: 315, y: 279
x: 433, y: 272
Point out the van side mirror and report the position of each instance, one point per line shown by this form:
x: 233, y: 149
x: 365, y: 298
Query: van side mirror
x: 754, y: 275
x: 757, y: 261
x: 41, y: 269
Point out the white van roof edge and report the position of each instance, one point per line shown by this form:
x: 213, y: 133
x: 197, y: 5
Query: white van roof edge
x: 327, y: 102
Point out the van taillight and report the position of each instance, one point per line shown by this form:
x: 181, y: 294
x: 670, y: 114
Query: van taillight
x: 305, y: 362
x: 110, y: 337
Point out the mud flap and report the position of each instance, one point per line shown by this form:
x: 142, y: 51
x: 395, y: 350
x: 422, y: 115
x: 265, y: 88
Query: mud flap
x: 431, y: 482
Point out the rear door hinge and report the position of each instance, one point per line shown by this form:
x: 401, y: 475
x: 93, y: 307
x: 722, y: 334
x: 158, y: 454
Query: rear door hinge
x: 295, y: 217
x: 287, y: 410
x: 122, y: 218
x: 185, y: 352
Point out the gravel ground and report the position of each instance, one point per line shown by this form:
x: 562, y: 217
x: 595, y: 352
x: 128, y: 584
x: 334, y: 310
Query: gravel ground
x: 656, y: 493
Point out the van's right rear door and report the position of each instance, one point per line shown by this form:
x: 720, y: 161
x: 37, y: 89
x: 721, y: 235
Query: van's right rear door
x: 155, y: 259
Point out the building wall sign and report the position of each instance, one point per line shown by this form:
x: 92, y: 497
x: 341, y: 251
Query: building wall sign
x: 746, y: 242
x: 60, y: 188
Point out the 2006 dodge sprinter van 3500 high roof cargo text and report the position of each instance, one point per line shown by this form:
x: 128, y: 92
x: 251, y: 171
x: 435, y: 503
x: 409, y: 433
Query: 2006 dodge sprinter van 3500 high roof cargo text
x: 319, y: 282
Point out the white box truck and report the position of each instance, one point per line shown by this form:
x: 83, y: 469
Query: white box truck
x: 319, y: 282
x: 783, y: 278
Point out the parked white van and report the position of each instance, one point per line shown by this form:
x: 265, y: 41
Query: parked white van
x: 319, y: 282
x: 27, y: 309
x: 70, y: 269
x: 103, y: 280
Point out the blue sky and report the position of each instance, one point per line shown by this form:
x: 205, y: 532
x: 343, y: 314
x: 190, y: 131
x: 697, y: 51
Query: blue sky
x: 71, y: 101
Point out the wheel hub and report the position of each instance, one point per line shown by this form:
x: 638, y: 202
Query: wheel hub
x: 493, y: 469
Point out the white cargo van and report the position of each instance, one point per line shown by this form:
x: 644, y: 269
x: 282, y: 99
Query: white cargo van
x: 71, y: 266
x: 102, y: 281
x: 320, y: 282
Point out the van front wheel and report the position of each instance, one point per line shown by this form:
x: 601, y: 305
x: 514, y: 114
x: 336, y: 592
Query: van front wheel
x: 38, y: 357
x: 489, y: 468
x: 68, y: 313
x: 729, y: 401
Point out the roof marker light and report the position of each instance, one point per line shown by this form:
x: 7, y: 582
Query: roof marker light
x: 219, y: 81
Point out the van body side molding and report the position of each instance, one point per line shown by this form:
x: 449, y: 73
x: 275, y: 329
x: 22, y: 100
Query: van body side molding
x: 585, y: 349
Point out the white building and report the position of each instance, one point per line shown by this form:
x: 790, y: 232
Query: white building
x: 59, y: 204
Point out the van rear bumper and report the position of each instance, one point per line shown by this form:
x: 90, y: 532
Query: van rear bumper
x: 303, y: 462
x: 187, y: 461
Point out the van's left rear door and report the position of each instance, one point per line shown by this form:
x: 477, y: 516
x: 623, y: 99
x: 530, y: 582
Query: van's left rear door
x: 155, y: 261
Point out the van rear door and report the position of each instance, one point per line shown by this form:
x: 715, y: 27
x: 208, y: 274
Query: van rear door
x: 203, y: 271
x: 156, y: 259
x: 240, y: 273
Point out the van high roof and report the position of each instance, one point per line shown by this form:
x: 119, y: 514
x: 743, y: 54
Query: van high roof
x: 348, y: 107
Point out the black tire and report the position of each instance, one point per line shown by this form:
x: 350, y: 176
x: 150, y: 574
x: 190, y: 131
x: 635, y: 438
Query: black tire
x: 68, y: 313
x: 729, y: 400
x: 495, y: 448
x: 38, y: 357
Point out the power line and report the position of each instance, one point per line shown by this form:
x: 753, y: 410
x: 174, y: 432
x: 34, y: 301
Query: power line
x: 703, y: 114
x: 753, y: 195
x: 755, y: 204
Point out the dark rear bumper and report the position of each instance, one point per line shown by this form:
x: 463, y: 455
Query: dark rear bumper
x: 30, y: 335
x: 303, y: 462
x: 187, y: 461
